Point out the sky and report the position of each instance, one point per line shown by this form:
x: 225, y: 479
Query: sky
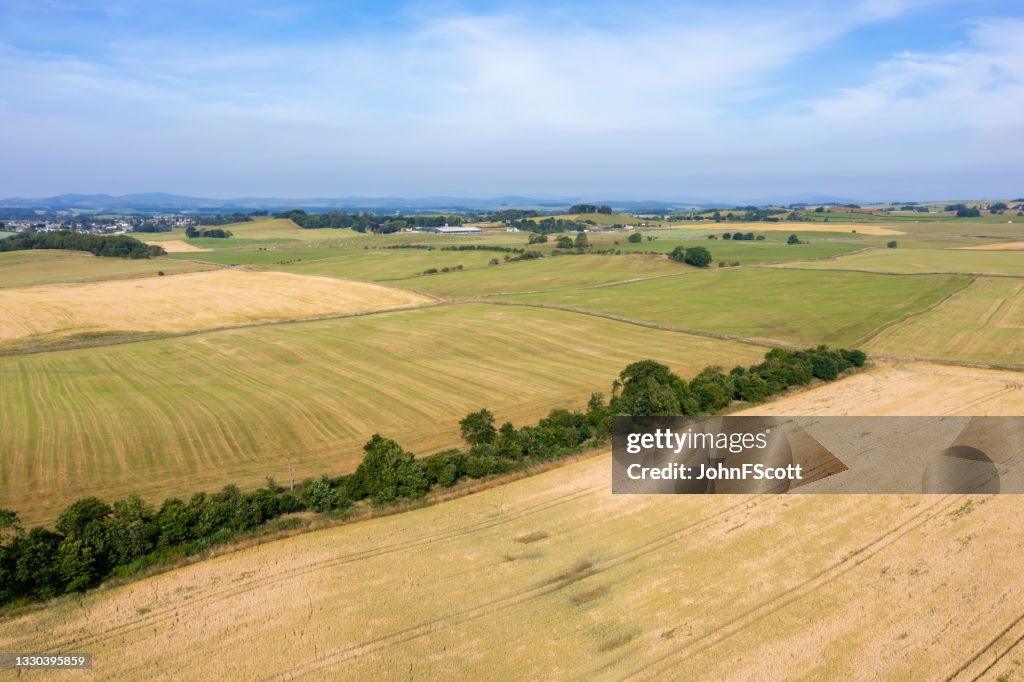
x: 728, y: 101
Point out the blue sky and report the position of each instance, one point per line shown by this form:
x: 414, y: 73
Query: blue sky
x: 735, y: 101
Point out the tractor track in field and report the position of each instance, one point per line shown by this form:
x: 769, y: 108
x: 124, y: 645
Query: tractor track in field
x: 552, y: 585
x: 780, y: 601
x: 160, y: 616
x: 975, y: 661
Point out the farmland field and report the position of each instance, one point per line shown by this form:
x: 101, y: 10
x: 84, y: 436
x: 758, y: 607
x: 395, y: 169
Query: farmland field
x: 794, y: 306
x: 56, y: 313
x: 982, y: 323
x: 909, y: 261
x: 386, y: 264
x: 556, y: 577
x: 559, y: 272
x: 25, y: 268
x: 173, y: 416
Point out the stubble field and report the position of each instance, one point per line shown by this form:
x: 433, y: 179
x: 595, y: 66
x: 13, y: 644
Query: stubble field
x: 60, y: 313
x: 175, y: 416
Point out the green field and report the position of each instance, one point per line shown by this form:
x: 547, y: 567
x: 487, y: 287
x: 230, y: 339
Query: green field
x: 910, y: 261
x: 557, y: 272
x: 982, y: 323
x: 794, y: 306
x: 387, y: 264
x: 173, y: 416
x: 26, y: 268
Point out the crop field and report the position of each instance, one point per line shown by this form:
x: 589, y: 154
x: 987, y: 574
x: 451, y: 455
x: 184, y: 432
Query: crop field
x: 556, y: 577
x: 799, y: 307
x: 982, y: 323
x: 58, y: 313
x: 558, y: 272
x: 388, y: 264
x: 26, y: 268
x: 751, y: 252
x: 174, y: 416
x: 263, y: 229
x: 910, y: 261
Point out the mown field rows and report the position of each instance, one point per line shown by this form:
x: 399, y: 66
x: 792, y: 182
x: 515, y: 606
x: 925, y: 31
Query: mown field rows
x: 58, y: 313
x: 982, y: 323
x: 26, y: 268
x: 553, y: 576
x: 793, y: 306
x: 558, y: 272
x: 909, y: 261
x: 174, y: 416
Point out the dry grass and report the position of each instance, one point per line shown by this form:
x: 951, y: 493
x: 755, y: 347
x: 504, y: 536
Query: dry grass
x: 999, y: 246
x: 46, y: 315
x: 176, y: 246
x: 723, y: 587
x: 28, y: 268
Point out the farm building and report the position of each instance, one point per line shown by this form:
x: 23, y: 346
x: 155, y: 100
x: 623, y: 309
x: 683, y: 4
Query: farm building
x: 452, y: 230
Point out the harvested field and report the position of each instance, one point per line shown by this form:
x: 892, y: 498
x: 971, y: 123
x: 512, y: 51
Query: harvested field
x: 982, y: 323
x: 26, y: 268
x: 560, y: 272
x: 999, y: 246
x: 59, y: 313
x: 177, y: 246
x: 673, y: 587
x: 175, y: 416
x: 801, y: 307
x: 912, y: 261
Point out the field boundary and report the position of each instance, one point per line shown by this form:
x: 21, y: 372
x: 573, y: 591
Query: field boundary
x: 909, y: 315
x: 142, y: 336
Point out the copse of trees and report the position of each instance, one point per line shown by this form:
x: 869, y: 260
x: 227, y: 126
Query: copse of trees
x: 111, y: 246
x: 92, y: 541
x: 549, y: 225
x: 214, y: 233
x: 696, y: 256
x: 590, y: 208
x: 228, y: 218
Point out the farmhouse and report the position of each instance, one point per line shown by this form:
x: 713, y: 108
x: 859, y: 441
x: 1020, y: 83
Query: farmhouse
x: 452, y: 230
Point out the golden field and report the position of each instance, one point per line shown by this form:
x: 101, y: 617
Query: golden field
x: 554, y: 577
x: 47, y: 315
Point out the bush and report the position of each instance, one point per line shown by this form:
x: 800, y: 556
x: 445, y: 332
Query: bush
x: 793, y: 239
x: 891, y: 245
x: 635, y: 238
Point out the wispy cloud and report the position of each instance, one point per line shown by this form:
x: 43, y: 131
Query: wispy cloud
x: 654, y: 99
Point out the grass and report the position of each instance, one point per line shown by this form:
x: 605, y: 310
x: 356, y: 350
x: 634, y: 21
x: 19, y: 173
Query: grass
x: 900, y: 260
x: 388, y: 264
x: 558, y: 272
x: 982, y: 323
x: 800, y: 307
x: 27, y: 268
x: 57, y: 313
x: 702, y: 587
x: 173, y: 416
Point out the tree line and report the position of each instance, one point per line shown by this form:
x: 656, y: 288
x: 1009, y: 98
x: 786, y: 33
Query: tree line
x: 111, y: 246
x: 192, y: 232
x: 228, y: 218
x: 92, y: 541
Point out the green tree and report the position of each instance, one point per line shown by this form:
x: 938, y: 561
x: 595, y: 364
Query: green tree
x: 698, y: 256
x: 635, y: 238
x: 891, y: 245
x: 477, y: 428
x: 581, y: 240
x: 388, y: 472
x: 565, y: 242
x: 538, y: 238
x: 793, y: 239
